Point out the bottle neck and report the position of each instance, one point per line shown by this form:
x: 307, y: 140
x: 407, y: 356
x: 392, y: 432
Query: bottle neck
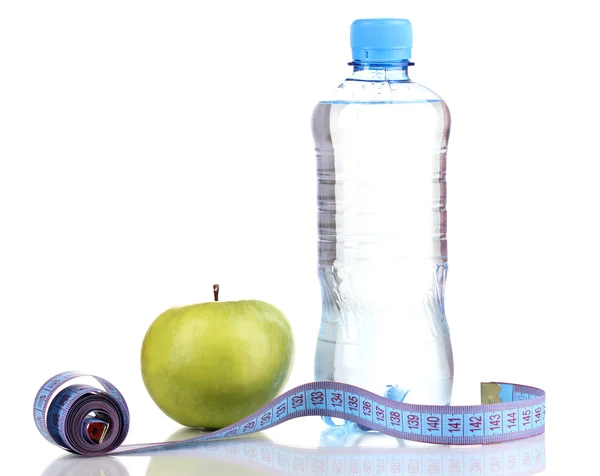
x: 380, y: 71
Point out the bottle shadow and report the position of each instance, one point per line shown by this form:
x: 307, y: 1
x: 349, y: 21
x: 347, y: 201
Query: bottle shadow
x: 342, y: 450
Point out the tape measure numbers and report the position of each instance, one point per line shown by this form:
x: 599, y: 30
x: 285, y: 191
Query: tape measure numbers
x: 92, y: 421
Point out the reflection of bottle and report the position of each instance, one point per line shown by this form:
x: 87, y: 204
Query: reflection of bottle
x: 381, y: 165
x: 337, y: 455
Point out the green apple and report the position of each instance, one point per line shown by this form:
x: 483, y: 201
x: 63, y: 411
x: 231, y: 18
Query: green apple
x: 208, y: 365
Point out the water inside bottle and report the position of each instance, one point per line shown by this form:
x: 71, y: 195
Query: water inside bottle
x: 382, y: 247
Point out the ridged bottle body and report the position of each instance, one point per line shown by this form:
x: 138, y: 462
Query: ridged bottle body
x: 382, y: 250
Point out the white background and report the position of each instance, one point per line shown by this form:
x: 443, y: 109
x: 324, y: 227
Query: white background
x: 151, y: 149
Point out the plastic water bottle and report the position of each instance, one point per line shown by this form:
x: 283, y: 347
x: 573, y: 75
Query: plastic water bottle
x: 380, y: 142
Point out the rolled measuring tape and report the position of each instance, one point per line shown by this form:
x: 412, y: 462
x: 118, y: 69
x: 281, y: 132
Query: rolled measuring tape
x: 91, y: 421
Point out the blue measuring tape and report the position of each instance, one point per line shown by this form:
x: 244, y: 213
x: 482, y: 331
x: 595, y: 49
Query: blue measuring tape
x: 91, y: 421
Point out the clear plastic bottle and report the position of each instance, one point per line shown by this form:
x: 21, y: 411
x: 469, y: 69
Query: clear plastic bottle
x: 380, y: 142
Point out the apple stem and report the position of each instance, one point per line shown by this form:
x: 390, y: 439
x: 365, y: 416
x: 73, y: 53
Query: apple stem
x: 216, y: 292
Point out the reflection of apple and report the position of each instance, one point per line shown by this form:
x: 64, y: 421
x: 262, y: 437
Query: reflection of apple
x: 208, y: 365
x: 220, y: 457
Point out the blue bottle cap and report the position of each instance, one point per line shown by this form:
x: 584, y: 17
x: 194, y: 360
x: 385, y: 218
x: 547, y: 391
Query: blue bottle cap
x: 381, y: 40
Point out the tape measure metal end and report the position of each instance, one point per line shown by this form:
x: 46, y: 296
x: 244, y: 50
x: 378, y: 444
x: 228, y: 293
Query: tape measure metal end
x: 97, y: 428
x: 490, y: 393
